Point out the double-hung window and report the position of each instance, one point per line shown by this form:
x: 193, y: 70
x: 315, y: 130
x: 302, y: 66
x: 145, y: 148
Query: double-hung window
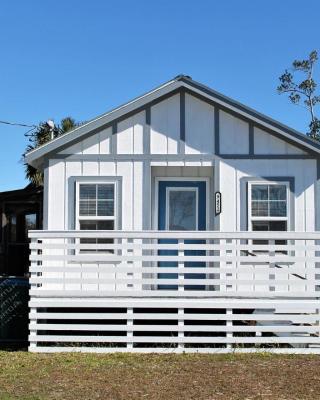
x: 268, y: 206
x: 96, y: 208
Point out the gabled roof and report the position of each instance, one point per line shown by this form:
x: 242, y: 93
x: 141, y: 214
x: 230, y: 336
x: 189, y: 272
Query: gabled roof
x: 181, y: 82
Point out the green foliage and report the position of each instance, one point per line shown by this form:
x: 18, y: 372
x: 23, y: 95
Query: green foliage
x: 303, y: 91
x: 40, y: 136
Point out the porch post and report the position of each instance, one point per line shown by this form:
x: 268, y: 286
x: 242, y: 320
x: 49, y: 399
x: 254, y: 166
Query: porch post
x: 181, y: 327
x: 180, y: 265
x: 129, y: 328
x: 33, y: 311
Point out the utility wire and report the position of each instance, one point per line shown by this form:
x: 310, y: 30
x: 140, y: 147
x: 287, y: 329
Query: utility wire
x: 17, y: 124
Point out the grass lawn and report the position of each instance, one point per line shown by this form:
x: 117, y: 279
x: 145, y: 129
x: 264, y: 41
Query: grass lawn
x: 125, y: 376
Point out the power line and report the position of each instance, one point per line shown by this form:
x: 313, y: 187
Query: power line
x: 17, y: 124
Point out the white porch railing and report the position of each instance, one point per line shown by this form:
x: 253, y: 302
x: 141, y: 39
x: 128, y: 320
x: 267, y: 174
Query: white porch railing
x: 174, y: 291
x: 175, y: 264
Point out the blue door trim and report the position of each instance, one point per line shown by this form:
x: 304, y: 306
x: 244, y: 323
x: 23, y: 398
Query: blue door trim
x: 202, y: 222
x: 202, y: 201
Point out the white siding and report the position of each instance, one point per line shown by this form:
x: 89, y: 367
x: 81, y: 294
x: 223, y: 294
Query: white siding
x: 130, y: 135
x: 165, y: 126
x: 62, y: 174
x: 199, y: 127
x: 187, y: 172
x: 73, y: 169
x: 137, y: 190
x: 265, y: 143
x: 56, y: 194
x: 98, y: 143
x: 74, y: 149
x: 90, y: 145
x: 234, y: 135
x: 108, y: 168
x: 105, y: 139
x: 125, y: 169
x: 231, y: 173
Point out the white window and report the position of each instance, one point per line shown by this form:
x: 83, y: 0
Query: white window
x: 268, y: 206
x: 96, y: 208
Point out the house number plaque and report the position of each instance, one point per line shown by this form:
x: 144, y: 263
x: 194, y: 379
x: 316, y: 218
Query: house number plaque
x: 218, y: 202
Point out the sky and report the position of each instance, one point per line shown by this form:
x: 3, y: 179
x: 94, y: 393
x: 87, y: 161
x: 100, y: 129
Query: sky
x: 82, y: 58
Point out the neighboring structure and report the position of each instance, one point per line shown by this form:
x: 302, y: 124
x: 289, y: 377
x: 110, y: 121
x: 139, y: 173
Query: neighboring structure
x: 20, y: 211
x: 181, y: 220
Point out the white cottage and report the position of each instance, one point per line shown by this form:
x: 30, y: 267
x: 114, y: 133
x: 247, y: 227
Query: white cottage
x: 180, y: 221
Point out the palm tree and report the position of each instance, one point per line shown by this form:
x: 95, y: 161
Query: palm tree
x: 43, y: 134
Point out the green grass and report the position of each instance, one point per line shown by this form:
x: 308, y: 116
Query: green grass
x: 28, y: 376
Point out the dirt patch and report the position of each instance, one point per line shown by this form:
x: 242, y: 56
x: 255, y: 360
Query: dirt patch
x: 166, y: 377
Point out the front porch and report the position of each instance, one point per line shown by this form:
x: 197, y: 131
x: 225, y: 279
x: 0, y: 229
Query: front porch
x: 175, y: 291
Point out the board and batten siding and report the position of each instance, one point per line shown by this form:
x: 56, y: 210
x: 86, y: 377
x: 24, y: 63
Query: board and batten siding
x: 199, y: 126
x: 61, y: 207
x: 234, y: 174
x: 266, y: 143
x: 199, y: 134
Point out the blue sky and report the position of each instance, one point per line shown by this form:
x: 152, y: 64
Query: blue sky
x: 81, y: 58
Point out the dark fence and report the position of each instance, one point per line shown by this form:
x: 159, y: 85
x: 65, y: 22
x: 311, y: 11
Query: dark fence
x: 14, y: 310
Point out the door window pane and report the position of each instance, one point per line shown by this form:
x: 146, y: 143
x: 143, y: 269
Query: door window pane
x: 182, y: 210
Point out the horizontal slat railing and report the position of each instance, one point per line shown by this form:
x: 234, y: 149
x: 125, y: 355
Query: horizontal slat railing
x: 174, y: 325
x: 174, y: 264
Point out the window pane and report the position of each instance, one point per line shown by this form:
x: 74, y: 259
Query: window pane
x: 269, y: 225
x: 105, y: 225
x: 278, y: 192
x: 96, y: 225
x: 12, y: 228
x: 30, y: 223
x: 88, y: 208
x: 277, y: 226
x: 260, y: 225
x: 259, y: 192
x: 105, y: 208
x: 182, y: 210
x: 87, y: 192
x: 106, y: 192
x: 278, y: 208
x: 93, y: 226
x: 87, y: 204
x: 259, y: 208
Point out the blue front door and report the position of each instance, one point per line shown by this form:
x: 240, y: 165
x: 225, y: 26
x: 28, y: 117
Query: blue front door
x: 182, y: 207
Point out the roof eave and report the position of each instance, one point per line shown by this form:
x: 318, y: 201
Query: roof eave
x: 36, y: 157
x: 102, y: 120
